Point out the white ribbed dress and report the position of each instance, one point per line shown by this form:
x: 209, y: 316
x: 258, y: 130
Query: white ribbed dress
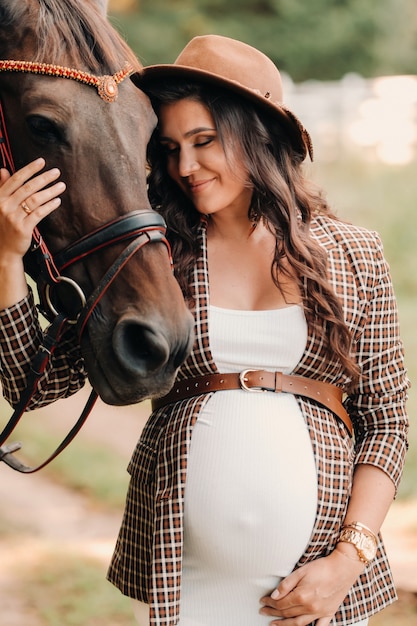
x: 251, y: 491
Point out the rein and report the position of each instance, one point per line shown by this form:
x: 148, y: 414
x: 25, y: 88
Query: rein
x: 136, y: 228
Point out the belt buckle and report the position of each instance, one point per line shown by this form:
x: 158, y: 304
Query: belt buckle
x: 243, y: 379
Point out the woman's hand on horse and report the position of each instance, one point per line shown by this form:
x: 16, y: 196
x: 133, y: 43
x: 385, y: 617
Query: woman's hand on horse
x: 25, y: 199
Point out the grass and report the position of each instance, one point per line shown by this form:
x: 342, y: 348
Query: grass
x: 92, y: 469
x: 71, y: 590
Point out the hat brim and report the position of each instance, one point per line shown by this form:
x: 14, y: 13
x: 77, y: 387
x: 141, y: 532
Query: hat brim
x: 298, y: 135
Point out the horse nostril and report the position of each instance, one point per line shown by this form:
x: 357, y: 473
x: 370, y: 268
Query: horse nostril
x: 139, y: 348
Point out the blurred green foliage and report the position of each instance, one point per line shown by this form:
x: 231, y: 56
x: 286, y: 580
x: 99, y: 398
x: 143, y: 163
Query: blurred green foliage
x: 318, y: 39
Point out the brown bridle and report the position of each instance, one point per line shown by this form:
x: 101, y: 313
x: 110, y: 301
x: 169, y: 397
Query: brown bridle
x: 137, y: 228
x: 107, y: 86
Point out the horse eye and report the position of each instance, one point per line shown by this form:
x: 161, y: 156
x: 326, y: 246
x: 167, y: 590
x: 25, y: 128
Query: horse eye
x: 44, y: 130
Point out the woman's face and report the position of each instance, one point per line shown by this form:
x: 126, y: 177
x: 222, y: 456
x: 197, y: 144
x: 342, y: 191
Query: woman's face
x: 196, y: 160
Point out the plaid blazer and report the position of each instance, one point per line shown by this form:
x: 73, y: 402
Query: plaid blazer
x: 146, y: 564
x: 147, y: 560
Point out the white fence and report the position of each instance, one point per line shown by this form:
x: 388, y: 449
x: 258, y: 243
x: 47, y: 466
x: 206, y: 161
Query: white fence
x: 373, y: 119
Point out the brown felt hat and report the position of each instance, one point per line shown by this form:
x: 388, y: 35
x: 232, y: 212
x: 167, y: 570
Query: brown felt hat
x: 236, y: 66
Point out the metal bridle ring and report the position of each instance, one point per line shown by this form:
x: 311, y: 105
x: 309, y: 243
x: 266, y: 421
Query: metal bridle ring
x: 77, y: 288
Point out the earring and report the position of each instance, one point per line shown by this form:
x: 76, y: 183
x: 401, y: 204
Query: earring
x: 254, y: 219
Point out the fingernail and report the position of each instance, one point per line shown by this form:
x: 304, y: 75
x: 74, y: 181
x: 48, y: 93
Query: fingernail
x: 275, y: 594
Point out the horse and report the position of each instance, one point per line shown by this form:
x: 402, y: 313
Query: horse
x: 67, y: 96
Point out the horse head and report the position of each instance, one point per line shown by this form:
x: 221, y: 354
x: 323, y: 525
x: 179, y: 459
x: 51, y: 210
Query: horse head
x: 95, y: 125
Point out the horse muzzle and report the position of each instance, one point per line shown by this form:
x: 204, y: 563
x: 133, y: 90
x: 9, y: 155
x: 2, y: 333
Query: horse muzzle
x: 140, y: 360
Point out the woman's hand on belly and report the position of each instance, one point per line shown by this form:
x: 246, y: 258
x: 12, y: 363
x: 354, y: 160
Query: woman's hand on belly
x: 313, y: 592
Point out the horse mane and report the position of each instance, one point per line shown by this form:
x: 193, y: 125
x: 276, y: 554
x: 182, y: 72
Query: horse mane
x: 76, y: 32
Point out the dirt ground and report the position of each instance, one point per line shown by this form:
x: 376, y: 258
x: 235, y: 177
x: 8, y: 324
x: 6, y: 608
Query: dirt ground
x: 37, y: 515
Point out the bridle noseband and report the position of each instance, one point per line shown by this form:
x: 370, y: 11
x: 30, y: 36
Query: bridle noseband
x: 136, y: 228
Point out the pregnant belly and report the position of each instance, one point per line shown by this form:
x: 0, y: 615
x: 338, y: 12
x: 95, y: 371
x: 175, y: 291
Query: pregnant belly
x: 251, y: 491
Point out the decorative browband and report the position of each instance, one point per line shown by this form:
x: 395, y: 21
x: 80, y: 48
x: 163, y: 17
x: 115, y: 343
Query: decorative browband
x: 107, y: 86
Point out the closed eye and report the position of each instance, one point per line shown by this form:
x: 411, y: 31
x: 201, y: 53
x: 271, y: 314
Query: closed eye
x: 204, y: 142
x: 170, y: 148
x: 44, y: 130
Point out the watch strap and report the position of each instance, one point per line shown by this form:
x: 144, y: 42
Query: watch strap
x: 362, y: 538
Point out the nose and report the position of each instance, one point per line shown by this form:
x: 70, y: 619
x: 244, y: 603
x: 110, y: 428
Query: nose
x: 187, y: 163
x: 140, y: 348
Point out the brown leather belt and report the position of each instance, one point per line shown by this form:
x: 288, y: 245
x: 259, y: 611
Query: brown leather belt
x: 326, y: 394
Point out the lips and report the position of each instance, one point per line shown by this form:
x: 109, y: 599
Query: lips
x: 198, y: 186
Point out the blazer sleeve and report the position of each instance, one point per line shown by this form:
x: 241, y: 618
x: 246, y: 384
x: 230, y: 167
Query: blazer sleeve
x: 377, y: 406
x: 20, y: 338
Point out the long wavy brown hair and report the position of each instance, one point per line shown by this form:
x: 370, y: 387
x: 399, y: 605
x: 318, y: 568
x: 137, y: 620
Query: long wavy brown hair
x: 282, y: 197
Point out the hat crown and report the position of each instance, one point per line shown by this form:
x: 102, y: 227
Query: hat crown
x: 239, y: 68
x: 233, y: 61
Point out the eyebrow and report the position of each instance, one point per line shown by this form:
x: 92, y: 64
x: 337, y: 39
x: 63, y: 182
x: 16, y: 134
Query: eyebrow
x: 190, y: 133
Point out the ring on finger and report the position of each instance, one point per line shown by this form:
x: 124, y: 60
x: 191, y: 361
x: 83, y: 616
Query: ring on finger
x: 25, y: 207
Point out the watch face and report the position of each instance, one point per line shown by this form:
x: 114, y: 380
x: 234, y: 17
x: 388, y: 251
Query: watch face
x: 368, y: 547
x: 364, y: 544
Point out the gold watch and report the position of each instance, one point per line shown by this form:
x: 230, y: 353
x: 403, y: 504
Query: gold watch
x: 362, y: 538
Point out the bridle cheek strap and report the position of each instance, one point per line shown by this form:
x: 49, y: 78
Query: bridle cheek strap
x: 147, y: 236
x: 8, y: 163
x: 5, y: 150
